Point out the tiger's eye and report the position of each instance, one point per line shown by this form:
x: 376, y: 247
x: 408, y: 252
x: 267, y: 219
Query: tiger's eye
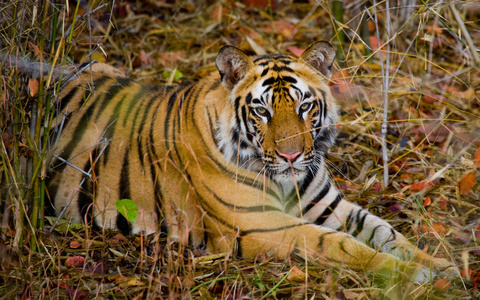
x: 305, y: 106
x: 261, y: 111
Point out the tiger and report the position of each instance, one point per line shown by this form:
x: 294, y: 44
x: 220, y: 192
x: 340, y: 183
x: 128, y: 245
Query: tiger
x: 235, y: 161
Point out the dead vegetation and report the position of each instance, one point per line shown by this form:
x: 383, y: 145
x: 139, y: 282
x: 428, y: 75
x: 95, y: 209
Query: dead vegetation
x: 428, y: 53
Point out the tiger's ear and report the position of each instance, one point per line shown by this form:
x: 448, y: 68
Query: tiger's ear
x: 320, y: 55
x: 232, y: 64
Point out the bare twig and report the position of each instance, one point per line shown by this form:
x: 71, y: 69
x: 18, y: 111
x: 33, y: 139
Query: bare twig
x: 385, y: 87
x: 465, y: 33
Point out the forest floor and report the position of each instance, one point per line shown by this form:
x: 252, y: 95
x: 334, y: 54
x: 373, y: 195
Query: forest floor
x: 433, y: 139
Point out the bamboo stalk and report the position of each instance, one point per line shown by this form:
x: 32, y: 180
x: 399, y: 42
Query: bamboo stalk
x: 465, y: 33
x: 337, y: 10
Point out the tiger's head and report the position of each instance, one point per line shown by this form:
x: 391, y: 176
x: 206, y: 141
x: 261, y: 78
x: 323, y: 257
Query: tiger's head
x: 281, y: 117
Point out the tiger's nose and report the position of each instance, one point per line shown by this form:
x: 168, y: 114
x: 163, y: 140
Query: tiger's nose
x: 290, y: 156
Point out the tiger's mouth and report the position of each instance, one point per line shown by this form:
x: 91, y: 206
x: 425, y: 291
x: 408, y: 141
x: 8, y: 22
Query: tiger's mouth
x: 284, y: 170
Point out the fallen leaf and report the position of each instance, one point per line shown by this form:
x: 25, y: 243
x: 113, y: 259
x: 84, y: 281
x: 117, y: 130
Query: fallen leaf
x: 260, y: 3
x: 424, y: 184
x: 476, y: 158
x: 33, y: 86
x: 442, y: 284
x: 430, y: 230
x: 443, y: 204
x: 134, y: 281
x: 296, y: 275
x: 427, y: 202
x: 119, y: 239
x: 74, y: 244
x: 76, y: 262
x: 467, y: 273
x: 295, y: 50
x: 466, y: 183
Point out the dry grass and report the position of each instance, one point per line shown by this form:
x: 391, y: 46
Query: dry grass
x: 432, y: 137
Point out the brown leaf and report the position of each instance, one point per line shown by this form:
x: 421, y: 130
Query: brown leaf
x: 466, y: 273
x: 74, y: 244
x: 476, y: 158
x: 467, y: 183
x: 118, y: 239
x: 297, y: 275
x: 442, y: 285
x: 33, y: 86
x: 436, y: 227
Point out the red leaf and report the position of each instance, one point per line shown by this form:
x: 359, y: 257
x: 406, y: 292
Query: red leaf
x: 467, y: 183
x: 76, y: 262
x: 260, y: 3
x: 427, y: 202
x: 296, y: 51
x: 419, y: 186
x: 467, y: 273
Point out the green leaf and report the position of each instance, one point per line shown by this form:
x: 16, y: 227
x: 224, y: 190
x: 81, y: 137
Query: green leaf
x: 128, y: 209
x: 176, y: 76
x: 63, y: 225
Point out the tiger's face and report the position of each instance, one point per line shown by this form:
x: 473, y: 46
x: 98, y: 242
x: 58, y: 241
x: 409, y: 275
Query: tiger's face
x: 284, y: 114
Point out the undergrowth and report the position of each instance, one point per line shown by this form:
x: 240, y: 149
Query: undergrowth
x: 424, y: 53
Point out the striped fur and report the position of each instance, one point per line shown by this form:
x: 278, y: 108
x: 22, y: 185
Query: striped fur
x: 235, y: 160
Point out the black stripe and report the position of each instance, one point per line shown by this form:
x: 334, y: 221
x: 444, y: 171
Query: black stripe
x: 318, y: 198
x: 342, y: 247
x: 77, y: 135
x: 265, y: 71
x: 124, y: 184
x: 360, y: 224
x: 321, y: 238
x: 247, y: 232
x: 269, y: 81
x: 372, y: 235
x: 349, y: 222
x: 248, y: 98
x: 139, y: 98
x: 239, y: 247
x: 67, y: 98
x: 278, y: 68
x: 237, y: 208
x: 328, y: 211
x: 289, y: 79
x: 110, y: 127
x: 123, y: 83
x: 85, y: 201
